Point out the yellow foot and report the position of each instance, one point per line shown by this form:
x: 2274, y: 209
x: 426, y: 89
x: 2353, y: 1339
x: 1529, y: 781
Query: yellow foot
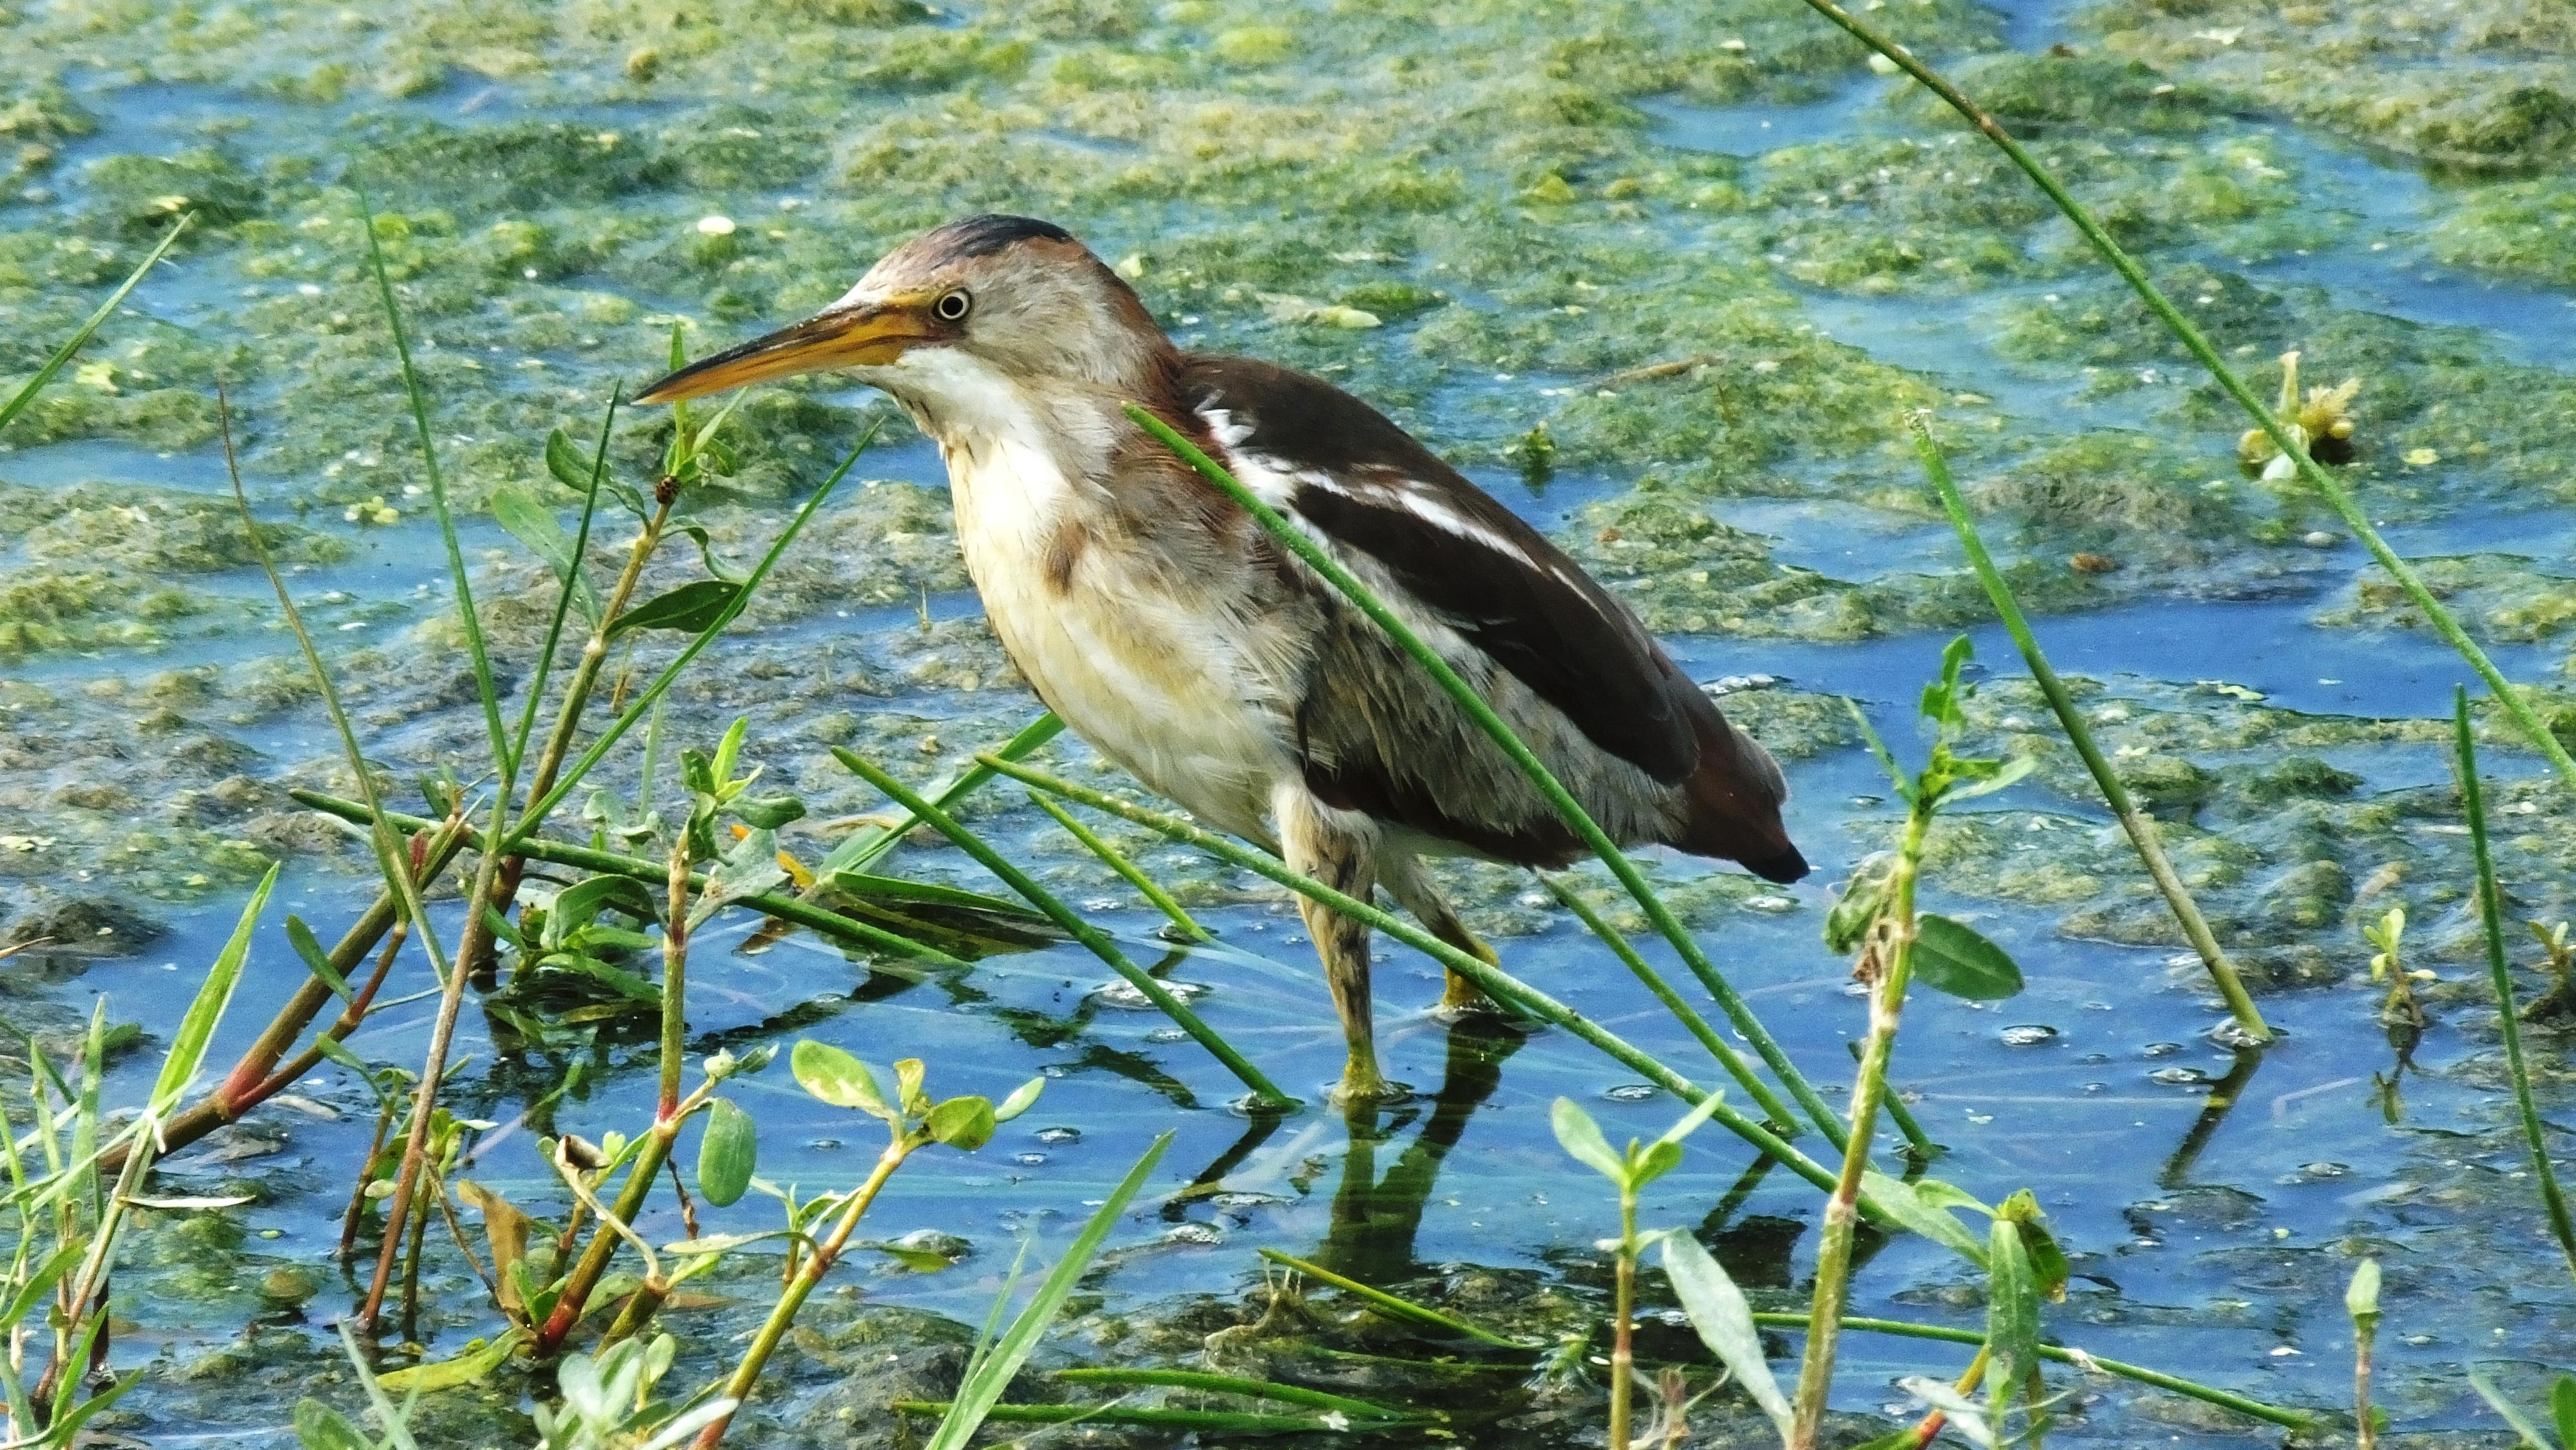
x: 1363, y: 1087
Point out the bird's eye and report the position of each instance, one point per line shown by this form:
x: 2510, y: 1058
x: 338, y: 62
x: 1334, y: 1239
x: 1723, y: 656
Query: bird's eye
x: 952, y: 306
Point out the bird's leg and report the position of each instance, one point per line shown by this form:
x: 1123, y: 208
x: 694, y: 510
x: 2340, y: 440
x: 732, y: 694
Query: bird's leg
x: 1335, y: 848
x: 1412, y: 887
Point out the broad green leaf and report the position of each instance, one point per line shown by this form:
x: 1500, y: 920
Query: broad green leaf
x: 2048, y: 1267
x: 769, y: 812
x: 836, y: 1077
x: 1580, y: 1136
x: 1718, y: 1310
x: 964, y: 1123
x: 316, y: 960
x: 865, y: 887
x: 1907, y: 1207
x: 566, y: 461
x: 987, y: 1374
x: 197, y: 1028
x: 1966, y: 1420
x: 690, y: 608
x: 2012, y: 1315
x: 908, y: 1075
x: 727, y: 1154
x: 1691, y: 1122
x: 1950, y: 1195
x: 534, y: 524
x: 1958, y: 960
x: 1022, y: 1098
x: 478, y: 1361
x: 2562, y: 1408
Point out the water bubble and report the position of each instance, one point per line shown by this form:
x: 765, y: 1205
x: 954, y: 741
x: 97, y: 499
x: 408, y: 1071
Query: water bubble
x: 1196, y: 1233
x: 1125, y: 996
x: 2179, y: 1077
x: 1059, y: 1137
x: 2097, y: 1005
x: 1167, y: 1034
x: 823, y: 1145
x: 1631, y: 1092
x: 2096, y: 1059
x: 2097, y: 1087
x: 2160, y: 1049
x: 2325, y: 1170
x: 2028, y: 1034
x: 2233, y: 1034
x: 1029, y: 1160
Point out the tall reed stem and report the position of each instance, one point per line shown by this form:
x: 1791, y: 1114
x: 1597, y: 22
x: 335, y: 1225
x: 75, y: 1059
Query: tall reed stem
x: 2508, y: 1020
x: 738, y: 1385
x: 2283, y: 434
x: 2141, y: 830
x: 1623, y: 1323
x: 1891, y: 951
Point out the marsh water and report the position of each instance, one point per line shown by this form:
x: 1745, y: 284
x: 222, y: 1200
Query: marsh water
x: 1485, y: 220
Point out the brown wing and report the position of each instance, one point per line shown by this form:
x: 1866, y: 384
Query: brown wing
x: 1454, y: 552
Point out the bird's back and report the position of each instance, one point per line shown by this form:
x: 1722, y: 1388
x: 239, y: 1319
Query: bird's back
x: 1565, y: 662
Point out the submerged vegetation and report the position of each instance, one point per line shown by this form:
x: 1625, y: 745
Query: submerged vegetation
x: 661, y: 700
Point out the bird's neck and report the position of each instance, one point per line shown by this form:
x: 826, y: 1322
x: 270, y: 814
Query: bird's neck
x: 978, y: 413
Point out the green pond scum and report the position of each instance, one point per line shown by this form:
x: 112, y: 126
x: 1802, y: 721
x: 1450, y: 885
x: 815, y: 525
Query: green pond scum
x: 1669, y: 280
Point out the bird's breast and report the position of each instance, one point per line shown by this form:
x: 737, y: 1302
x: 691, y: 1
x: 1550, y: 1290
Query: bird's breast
x: 1155, y: 657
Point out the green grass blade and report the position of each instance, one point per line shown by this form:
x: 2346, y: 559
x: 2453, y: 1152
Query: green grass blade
x: 2185, y: 331
x: 1127, y: 870
x: 572, y: 584
x: 27, y: 391
x: 197, y: 1028
x: 2141, y: 831
x: 977, y: 1395
x: 1265, y: 1092
x: 1322, y: 562
x: 1388, y: 1303
x: 2508, y: 1019
x: 866, y: 847
x: 483, y: 686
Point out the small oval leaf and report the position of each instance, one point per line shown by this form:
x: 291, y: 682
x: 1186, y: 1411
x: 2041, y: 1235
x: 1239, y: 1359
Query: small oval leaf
x: 1022, y: 1098
x: 1958, y: 960
x: 691, y: 608
x: 836, y: 1077
x: 964, y: 1123
x: 727, y: 1154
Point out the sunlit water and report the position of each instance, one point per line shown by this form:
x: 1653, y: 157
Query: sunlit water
x: 2195, y: 1185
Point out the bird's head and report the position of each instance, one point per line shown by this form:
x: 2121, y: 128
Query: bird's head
x: 956, y: 317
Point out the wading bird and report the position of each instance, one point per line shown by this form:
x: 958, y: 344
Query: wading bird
x: 1176, y: 637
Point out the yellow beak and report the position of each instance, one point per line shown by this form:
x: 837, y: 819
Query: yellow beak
x: 865, y: 335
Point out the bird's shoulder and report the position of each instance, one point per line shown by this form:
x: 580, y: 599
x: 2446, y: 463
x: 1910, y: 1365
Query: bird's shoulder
x: 1353, y: 476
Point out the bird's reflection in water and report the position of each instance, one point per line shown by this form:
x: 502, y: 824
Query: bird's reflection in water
x: 1376, y: 1218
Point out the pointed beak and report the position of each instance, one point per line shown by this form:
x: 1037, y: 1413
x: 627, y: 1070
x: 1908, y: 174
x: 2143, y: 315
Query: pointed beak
x: 861, y: 335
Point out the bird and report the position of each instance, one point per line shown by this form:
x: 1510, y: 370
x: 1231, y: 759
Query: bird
x: 1161, y: 623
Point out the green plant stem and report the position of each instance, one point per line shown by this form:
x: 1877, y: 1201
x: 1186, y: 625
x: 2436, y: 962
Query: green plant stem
x: 652, y: 1150
x: 738, y: 1385
x: 1316, y: 557
x: 44, y: 375
x: 1389, y: 1303
x: 1623, y: 1323
x: 675, y: 977
x: 1126, y: 869
x: 2508, y: 1020
x: 1727, y: 1057
x: 1493, y: 980
x: 2141, y: 830
x: 870, y: 844
x: 2281, y: 432
x: 546, y: 801
x: 1924, y: 1149
x: 2365, y: 1427
x: 1266, y: 1095
x: 1226, y: 1384
x: 1893, y: 945
x: 2189, y: 1389
x: 610, y: 863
